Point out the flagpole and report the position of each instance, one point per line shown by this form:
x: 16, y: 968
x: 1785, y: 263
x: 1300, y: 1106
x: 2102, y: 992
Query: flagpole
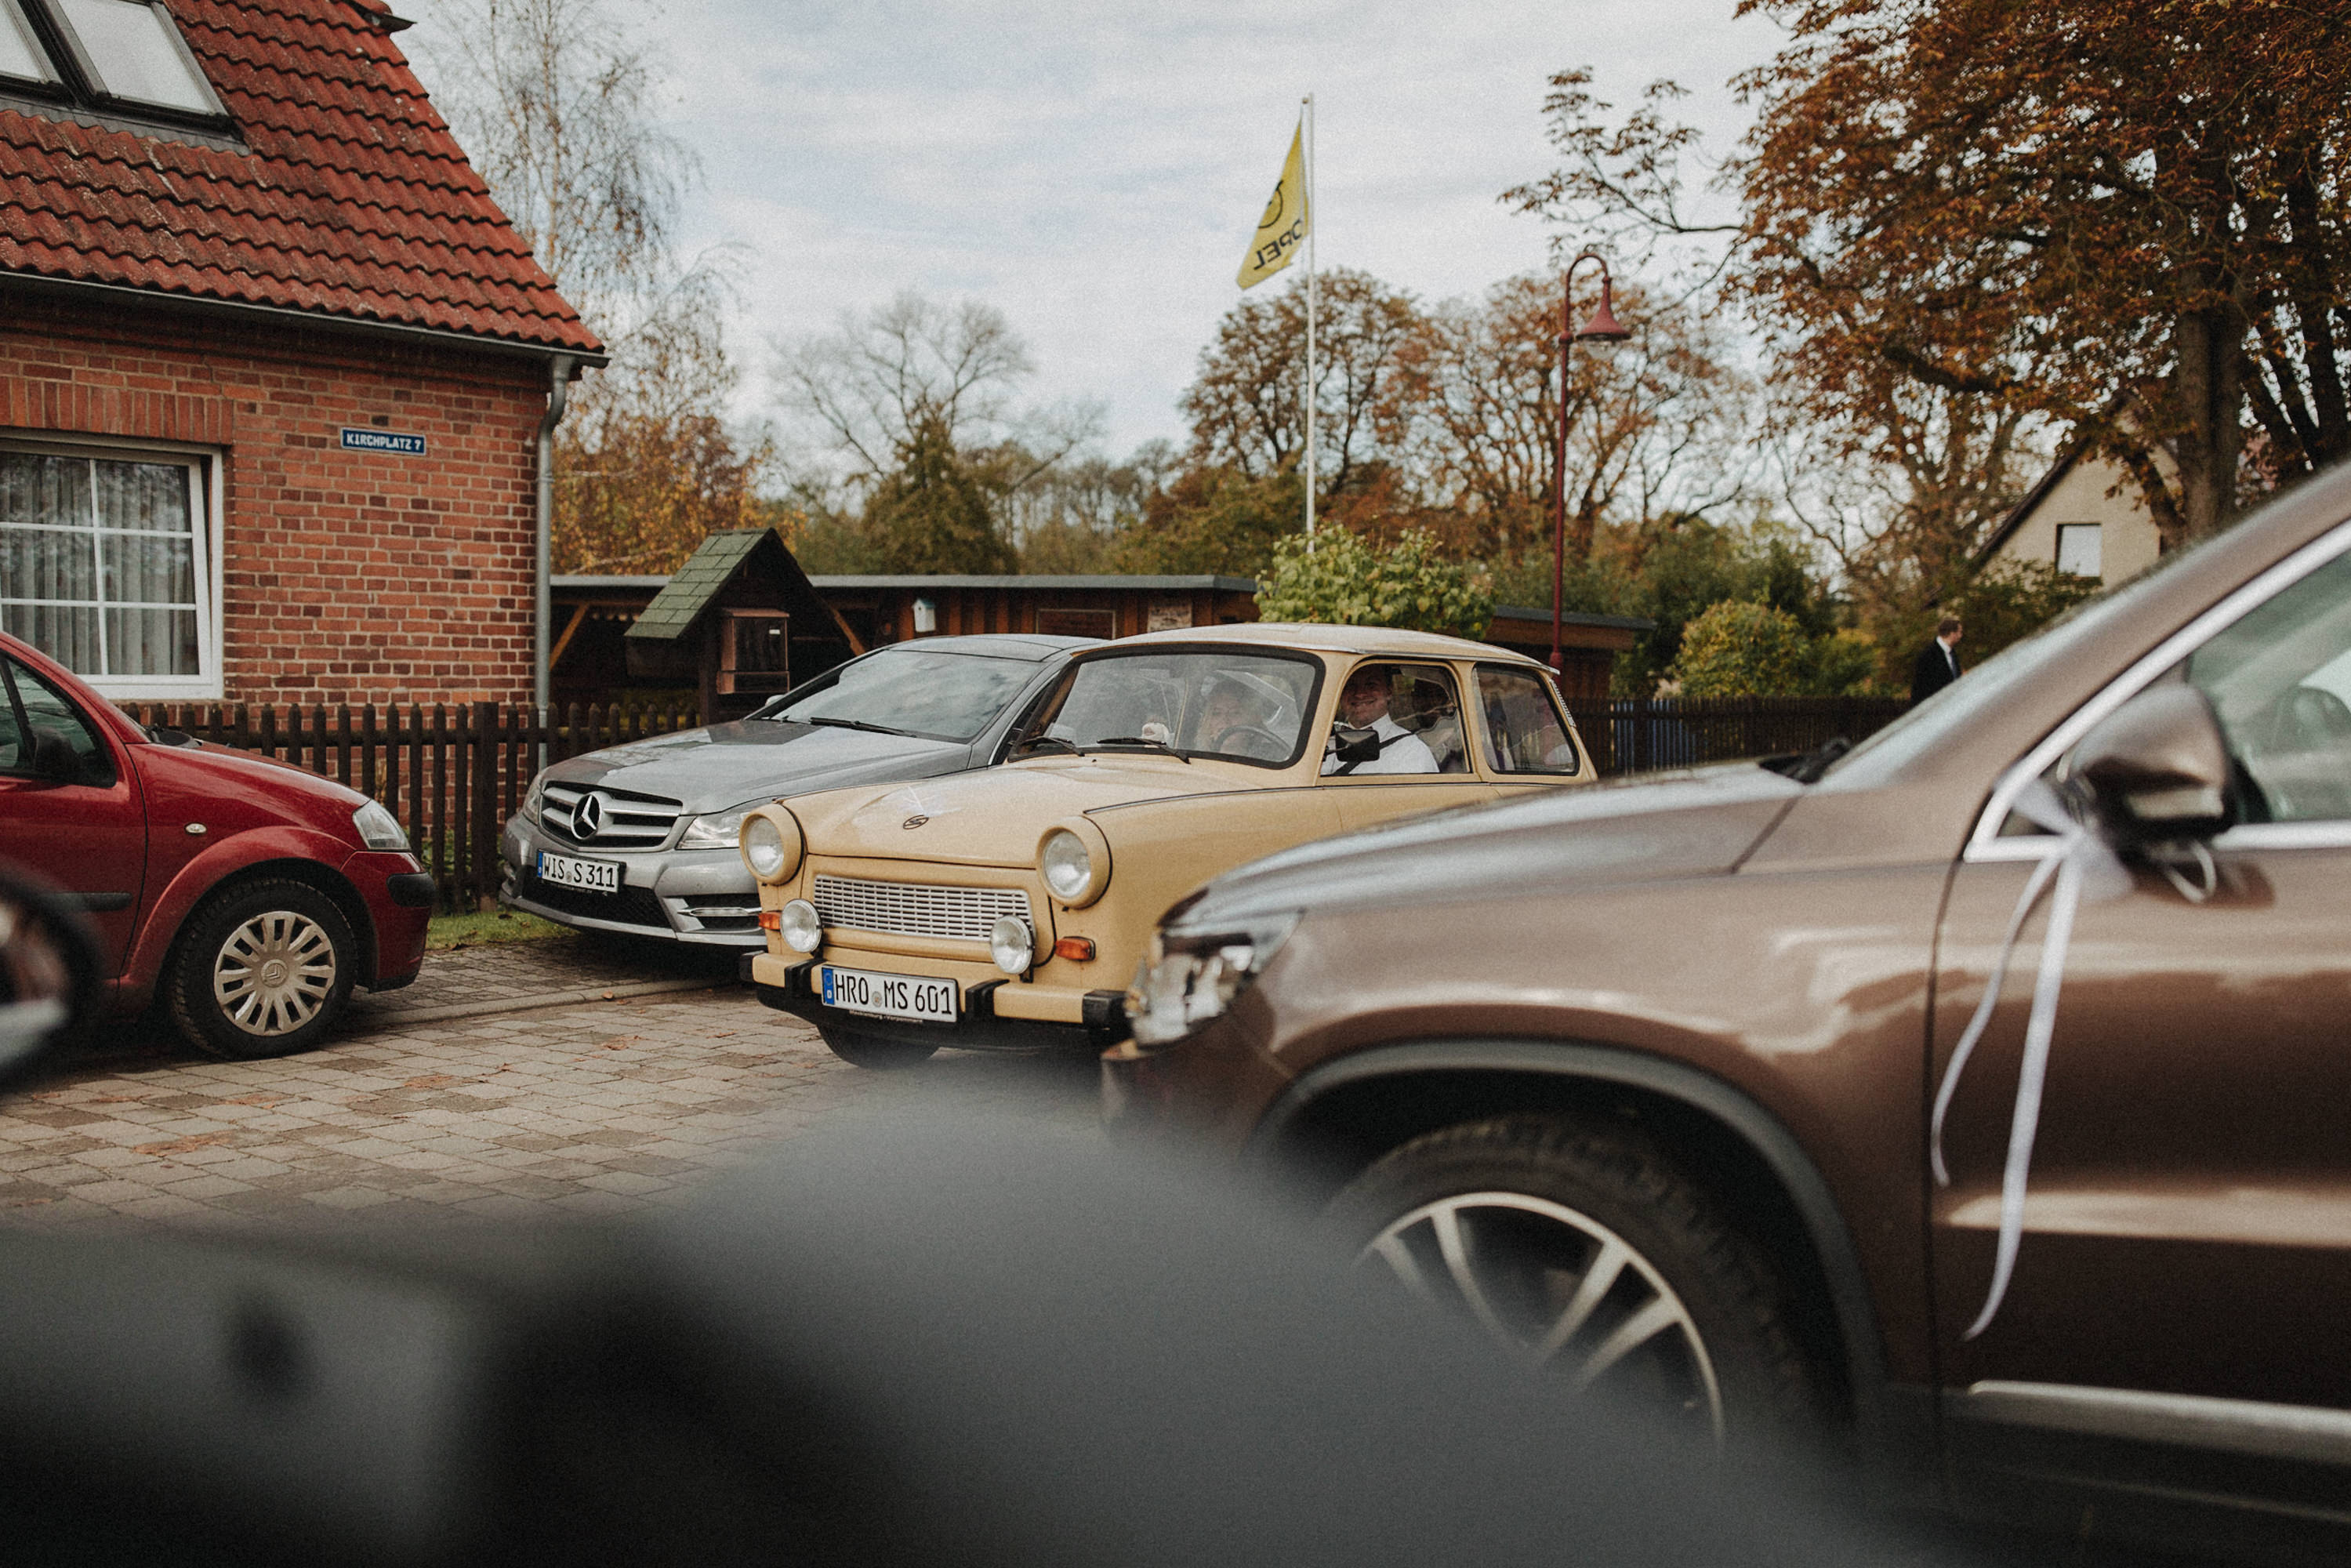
x: 1311, y: 302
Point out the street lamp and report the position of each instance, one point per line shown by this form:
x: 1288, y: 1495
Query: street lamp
x: 1602, y: 328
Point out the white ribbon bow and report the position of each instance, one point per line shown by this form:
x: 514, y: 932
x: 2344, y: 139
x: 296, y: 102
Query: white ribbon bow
x: 2084, y: 867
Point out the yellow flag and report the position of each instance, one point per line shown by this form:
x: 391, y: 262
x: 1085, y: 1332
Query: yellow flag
x: 1282, y: 232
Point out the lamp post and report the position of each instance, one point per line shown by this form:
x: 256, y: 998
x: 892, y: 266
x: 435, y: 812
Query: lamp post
x: 1602, y: 328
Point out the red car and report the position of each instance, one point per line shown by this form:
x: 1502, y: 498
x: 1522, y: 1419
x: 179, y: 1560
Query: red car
x: 245, y: 897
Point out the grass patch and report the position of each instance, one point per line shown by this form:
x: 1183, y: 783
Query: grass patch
x: 451, y: 931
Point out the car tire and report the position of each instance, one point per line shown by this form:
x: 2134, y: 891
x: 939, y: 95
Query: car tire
x: 262, y: 969
x: 873, y: 1052
x: 1550, y: 1218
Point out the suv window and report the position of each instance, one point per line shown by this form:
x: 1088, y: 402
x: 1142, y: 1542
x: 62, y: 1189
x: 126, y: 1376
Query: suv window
x: 37, y: 708
x: 2279, y: 678
x: 1525, y: 730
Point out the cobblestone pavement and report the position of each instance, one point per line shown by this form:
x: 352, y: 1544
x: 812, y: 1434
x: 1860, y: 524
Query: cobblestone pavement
x: 579, y: 1110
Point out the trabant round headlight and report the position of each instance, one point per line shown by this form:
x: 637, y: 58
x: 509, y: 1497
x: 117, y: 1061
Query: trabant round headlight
x: 800, y: 926
x: 771, y: 841
x: 1074, y: 860
x: 1012, y: 945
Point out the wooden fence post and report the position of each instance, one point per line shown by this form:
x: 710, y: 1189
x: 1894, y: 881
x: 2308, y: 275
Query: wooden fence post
x: 486, y: 821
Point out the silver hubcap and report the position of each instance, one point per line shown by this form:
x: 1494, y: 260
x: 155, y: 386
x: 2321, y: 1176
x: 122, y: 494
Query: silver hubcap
x: 1560, y: 1292
x: 274, y: 973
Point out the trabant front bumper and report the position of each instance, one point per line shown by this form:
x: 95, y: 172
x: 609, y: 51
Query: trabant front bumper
x: 997, y: 1013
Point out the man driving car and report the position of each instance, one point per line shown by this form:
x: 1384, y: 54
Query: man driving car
x: 1364, y: 704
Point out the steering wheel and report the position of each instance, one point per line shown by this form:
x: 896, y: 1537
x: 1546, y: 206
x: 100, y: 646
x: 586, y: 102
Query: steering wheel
x: 1273, y: 750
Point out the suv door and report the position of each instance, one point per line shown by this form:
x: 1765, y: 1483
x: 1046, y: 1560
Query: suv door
x: 2181, y: 1303
x: 88, y: 834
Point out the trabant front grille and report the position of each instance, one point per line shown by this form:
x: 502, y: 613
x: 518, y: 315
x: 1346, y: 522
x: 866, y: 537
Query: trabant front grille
x: 623, y: 820
x: 917, y: 909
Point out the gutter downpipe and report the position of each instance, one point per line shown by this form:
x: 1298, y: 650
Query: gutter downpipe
x: 558, y: 391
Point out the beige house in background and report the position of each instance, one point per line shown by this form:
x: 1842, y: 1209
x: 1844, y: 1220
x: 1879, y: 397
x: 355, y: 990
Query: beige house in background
x: 2084, y: 516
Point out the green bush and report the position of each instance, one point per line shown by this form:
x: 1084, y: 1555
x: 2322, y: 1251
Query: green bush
x: 1348, y: 582
x: 1736, y: 648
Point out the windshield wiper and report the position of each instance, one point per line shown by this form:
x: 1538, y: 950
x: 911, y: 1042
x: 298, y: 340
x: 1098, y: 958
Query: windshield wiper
x: 855, y: 724
x: 1806, y: 768
x: 1143, y: 740
x: 1032, y: 742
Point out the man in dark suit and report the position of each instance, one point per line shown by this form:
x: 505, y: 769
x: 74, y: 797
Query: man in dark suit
x: 1938, y: 663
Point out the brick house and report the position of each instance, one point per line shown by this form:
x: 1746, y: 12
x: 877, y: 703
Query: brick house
x: 276, y: 374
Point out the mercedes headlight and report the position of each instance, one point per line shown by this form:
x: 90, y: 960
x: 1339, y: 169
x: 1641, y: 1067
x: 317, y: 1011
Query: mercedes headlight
x: 1074, y: 860
x: 1192, y: 977
x: 1012, y: 945
x: 379, y: 829
x: 719, y: 831
x: 770, y: 838
x: 800, y: 926
x: 536, y: 798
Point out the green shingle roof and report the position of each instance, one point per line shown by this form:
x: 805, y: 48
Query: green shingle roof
x: 692, y: 587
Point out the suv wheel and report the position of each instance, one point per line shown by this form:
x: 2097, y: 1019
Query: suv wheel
x: 1588, y: 1254
x: 871, y: 1052
x: 263, y: 969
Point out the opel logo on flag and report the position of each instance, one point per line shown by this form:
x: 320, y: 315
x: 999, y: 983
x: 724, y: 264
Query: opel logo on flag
x: 588, y: 817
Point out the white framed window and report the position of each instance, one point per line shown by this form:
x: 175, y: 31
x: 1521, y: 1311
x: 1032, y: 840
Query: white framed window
x: 110, y: 563
x: 2078, y: 549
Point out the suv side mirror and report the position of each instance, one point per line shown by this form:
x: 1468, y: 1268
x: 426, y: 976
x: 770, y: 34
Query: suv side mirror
x: 1350, y: 744
x: 54, y: 757
x: 2158, y: 768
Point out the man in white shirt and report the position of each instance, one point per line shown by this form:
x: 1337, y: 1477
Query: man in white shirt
x: 1364, y: 703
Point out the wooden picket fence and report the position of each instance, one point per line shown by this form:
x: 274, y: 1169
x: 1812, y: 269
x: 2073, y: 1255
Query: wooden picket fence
x: 452, y: 774
x: 1645, y: 735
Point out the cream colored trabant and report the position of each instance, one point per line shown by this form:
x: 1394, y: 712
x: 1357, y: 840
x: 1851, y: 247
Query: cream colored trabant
x: 1009, y: 905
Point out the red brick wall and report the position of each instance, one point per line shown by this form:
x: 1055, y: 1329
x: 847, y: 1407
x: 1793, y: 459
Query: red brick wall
x: 347, y: 576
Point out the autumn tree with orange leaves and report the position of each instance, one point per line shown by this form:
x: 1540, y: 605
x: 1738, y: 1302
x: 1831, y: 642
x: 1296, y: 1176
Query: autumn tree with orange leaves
x: 2126, y: 220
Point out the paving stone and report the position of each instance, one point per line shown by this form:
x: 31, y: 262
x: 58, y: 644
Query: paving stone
x: 503, y: 1116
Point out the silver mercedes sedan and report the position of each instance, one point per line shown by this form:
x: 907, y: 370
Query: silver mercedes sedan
x: 641, y: 838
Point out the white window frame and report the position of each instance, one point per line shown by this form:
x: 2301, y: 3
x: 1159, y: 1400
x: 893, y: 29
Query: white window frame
x: 207, y: 684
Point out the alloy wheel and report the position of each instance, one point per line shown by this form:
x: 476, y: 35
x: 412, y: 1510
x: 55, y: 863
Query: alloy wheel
x: 1560, y: 1291
x: 274, y: 973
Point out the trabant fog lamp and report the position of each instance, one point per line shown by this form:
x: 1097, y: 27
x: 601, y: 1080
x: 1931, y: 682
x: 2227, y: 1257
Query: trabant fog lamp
x: 800, y: 926
x: 1012, y: 945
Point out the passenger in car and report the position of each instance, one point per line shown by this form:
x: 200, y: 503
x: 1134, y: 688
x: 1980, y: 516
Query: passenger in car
x: 1364, y: 703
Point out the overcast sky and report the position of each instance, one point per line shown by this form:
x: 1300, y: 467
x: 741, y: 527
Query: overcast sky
x: 1095, y: 170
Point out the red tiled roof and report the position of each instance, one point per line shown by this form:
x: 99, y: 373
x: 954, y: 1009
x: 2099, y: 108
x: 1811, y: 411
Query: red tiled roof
x: 354, y: 202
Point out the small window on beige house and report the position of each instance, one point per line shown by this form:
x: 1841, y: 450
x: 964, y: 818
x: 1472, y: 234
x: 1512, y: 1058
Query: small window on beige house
x: 2078, y: 551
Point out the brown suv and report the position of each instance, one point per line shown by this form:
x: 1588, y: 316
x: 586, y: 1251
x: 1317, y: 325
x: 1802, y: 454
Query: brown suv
x: 1656, y: 1080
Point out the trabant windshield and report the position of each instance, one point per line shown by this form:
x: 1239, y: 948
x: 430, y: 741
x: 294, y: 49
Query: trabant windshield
x: 1249, y: 707
x: 912, y: 691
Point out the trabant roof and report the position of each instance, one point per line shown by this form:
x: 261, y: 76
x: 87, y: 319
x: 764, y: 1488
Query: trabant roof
x: 1327, y: 639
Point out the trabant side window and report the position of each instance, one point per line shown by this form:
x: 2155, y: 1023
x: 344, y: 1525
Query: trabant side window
x: 45, y: 710
x: 1415, y: 709
x: 1248, y: 707
x: 1525, y: 731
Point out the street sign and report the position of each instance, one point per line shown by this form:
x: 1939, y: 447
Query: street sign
x: 383, y: 441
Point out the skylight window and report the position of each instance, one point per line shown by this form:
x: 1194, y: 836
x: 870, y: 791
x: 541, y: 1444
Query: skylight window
x: 134, y: 52
x: 21, y: 55
x: 112, y: 57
